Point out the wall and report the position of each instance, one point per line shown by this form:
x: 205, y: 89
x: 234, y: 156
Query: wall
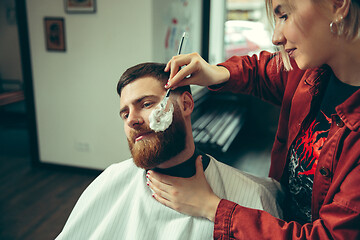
x: 188, y: 17
x: 77, y: 107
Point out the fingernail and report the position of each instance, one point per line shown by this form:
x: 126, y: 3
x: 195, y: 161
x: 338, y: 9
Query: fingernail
x: 167, y: 85
x: 201, y: 158
x: 147, y: 183
x: 153, y: 195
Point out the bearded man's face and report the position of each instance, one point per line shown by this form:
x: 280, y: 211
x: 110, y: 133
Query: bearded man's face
x: 149, y: 148
x: 158, y: 147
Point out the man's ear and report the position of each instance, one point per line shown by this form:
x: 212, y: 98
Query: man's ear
x: 186, y: 103
x: 341, y: 8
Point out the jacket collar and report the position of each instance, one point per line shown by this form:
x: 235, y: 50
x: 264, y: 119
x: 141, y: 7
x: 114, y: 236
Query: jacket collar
x: 312, y: 76
x: 349, y: 111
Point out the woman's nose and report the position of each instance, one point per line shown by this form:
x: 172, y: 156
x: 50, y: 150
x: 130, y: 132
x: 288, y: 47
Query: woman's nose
x: 278, y: 36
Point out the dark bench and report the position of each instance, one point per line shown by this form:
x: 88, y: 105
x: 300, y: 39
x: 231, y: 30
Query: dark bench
x: 217, y: 119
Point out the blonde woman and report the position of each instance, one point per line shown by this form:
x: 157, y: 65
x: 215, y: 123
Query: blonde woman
x: 316, y: 154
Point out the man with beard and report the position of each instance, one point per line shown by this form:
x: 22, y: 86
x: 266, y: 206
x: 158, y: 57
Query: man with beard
x: 119, y: 204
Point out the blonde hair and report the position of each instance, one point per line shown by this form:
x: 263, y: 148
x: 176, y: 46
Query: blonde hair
x: 350, y: 29
x: 352, y: 22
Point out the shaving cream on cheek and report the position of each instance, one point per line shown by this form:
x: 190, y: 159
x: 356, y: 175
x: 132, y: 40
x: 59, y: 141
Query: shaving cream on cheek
x: 160, y: 119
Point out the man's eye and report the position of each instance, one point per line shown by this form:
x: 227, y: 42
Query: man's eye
x: 124, y: 116
x: 147, y: 104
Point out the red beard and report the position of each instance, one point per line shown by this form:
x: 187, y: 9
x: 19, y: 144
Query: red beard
x: 157, y: 148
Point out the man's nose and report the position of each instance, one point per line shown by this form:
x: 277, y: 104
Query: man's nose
x: 135, y: 121
x: 278, y: 36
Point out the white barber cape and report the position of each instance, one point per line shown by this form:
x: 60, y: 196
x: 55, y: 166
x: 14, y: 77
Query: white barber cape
x: 119, y: 205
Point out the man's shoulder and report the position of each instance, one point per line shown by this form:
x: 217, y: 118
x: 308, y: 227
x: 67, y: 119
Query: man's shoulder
x: 113, y: 176
x: 244, y: 188
x: 220, y: 166
x: 229, y: 173
x: 221, y: 169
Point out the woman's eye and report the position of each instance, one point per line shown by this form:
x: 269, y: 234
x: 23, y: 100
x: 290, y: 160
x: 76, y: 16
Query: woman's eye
x: 284, y: 16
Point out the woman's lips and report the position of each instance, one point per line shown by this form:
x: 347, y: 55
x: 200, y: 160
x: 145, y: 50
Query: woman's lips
x: 290, y: 51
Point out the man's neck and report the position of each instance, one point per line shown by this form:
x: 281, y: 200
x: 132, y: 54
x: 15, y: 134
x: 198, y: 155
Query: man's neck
x: 180, y: 158
x: 184, y: 167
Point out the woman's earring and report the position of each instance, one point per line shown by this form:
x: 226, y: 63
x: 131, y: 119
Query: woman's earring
x: 332, y: 27
x: 337, y: 27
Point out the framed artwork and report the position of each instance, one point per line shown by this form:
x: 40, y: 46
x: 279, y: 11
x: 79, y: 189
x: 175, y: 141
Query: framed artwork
x: 54, y: 34
x: 80, y: 6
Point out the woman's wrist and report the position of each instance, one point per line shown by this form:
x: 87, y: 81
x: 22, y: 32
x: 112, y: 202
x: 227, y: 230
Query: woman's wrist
x: 225, y: 73
x: 211, y: 207
x: 222, y: 75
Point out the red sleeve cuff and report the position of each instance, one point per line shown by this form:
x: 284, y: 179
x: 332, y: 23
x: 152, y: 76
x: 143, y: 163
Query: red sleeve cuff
x: 223, y: 219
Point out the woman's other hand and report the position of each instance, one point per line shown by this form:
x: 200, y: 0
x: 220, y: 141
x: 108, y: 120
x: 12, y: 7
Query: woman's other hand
x: 199, y: 71
x: 192, y: 196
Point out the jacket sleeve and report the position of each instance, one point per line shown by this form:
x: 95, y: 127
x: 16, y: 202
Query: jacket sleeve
x: 262, y: 76
x: 339, y: 219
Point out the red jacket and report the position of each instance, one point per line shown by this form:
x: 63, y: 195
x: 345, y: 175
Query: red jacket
x: 336, y: 188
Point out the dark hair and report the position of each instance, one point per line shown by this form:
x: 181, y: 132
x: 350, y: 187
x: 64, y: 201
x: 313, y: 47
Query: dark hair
x: 149, y: 69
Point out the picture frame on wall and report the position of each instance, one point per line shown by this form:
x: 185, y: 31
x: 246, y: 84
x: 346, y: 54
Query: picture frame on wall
x: 80, y: 6
x: 55, y: 34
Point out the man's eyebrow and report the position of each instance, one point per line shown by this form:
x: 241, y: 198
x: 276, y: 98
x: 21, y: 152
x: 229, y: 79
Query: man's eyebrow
x: 137, y: 100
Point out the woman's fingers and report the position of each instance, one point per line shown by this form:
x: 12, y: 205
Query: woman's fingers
x: 168, y: 203
x: 177, y: 62
x: 160, y: 178
x: 159, y: 192
x: 199, y: 166
x: 161, y: 184
x: 173, y: 61
x: 182, y: 66
x: 162, y: 200
x: 185, y: 195
x: 167, y: 68
x: 182, y: 79
x: 201, y: 73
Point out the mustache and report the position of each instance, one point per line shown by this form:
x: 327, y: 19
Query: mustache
x: 139, y: 131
